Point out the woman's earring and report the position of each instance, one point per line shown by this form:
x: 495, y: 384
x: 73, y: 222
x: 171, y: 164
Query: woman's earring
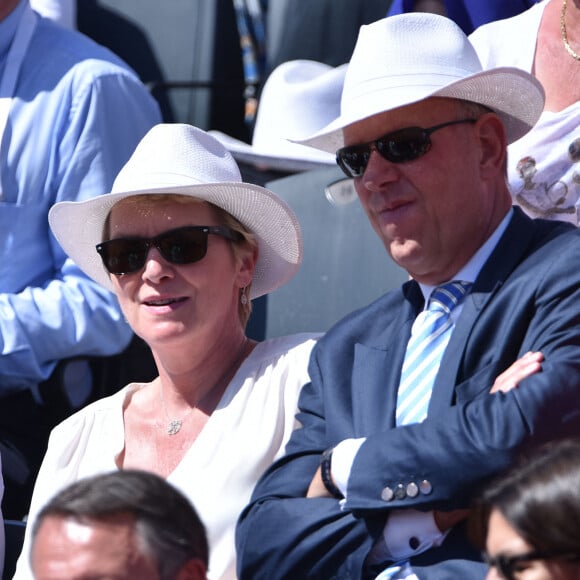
x: 243, y: 297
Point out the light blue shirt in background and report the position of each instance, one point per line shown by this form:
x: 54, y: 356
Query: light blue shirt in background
x: 77, y: 115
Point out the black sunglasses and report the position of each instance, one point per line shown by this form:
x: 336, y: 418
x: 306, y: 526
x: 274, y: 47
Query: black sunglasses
x: 180, y: 246
x: 397, y: 147
x: 507, y: 566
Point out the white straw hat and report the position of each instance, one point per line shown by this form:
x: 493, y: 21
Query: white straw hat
x: 299, y: 98
x: 178, y: 158
x: 404, y: 59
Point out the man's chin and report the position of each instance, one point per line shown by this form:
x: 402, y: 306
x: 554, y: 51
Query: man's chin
x: 406, y: 253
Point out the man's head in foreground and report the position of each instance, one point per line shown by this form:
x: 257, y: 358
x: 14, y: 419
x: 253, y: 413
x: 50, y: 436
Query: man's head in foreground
x: 123, y: 525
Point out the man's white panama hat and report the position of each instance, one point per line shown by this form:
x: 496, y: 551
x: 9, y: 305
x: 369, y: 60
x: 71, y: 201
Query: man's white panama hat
x: 406, y: 58
x: 299, y: 97
x: 182, y: 159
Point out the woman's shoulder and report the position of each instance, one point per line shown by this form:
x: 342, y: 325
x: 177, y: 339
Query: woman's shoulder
x: 281, y: 357
x: 276, y: 371
x: 100, y: 407
x: 299, y: 344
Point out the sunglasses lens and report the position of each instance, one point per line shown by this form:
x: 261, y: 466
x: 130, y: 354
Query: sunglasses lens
x: 123, y: 256
x: 353, y: 160
x: 183, y: 246
x: 398, y: 147
x: 404, y: 145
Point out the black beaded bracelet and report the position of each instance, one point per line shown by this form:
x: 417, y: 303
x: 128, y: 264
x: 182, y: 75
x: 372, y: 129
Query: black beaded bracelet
x: 326, y: 474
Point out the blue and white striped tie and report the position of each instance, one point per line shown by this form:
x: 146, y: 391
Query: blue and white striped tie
x: 429, y: 337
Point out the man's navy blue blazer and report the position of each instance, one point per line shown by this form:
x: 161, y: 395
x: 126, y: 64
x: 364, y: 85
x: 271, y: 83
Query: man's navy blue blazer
x: 526, y: 298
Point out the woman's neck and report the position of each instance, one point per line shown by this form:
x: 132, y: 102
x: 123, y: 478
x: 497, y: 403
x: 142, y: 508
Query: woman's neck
x: 189, y: 379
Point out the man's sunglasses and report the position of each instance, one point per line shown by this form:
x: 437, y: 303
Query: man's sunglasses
x: 397, y: 147
x: 509, y: 566
x: 180, y: 246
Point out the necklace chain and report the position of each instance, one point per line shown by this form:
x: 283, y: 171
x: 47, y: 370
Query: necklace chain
x: 564, y: 34
x: 174, y: 425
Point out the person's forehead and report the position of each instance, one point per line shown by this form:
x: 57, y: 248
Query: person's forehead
x: 502, y: 537
x: 70, y: 548
x: 164, y: 213
x: 420, y: 114
x: 158, y: 200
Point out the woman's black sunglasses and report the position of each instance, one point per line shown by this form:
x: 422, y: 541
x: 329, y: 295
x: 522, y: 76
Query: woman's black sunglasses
x: 508, y: 566
x: 397, y: 147
x: 180, y: 246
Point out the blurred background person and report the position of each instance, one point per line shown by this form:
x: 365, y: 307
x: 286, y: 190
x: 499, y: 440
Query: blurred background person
x: 126, y: 525
x: 71, y: 113
x: 185, y: 245
x: 543, y: 170
x: 469, y: 14
x: 529, y: 518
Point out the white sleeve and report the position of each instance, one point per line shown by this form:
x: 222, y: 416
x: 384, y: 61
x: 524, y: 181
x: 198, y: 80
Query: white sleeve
x: 406, y: 533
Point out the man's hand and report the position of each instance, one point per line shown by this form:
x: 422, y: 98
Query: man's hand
x: 523, y: 368
x: 317, y: 488
x: 446, y: 520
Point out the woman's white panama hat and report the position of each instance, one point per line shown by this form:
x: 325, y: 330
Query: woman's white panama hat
x: 182, y: 159
x: 406, y: 58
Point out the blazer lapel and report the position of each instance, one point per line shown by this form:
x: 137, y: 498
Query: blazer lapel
x: 377, y: 367
x: 505, y: 257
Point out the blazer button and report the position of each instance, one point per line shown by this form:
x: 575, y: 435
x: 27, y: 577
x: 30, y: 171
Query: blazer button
x: 412, y: 490
x: 425, y: 487
x: 387, y: 494
x: 400, y: 492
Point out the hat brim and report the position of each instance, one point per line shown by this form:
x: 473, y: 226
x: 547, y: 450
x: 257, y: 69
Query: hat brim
x: 79, y: 226
x: 515, y: 96
x: 289, y: 160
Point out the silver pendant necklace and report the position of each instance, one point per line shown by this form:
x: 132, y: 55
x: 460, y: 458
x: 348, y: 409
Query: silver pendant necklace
x: 174, y: 425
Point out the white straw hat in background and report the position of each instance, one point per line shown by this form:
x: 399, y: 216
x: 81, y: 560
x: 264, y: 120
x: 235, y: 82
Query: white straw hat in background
x: 299, y: 98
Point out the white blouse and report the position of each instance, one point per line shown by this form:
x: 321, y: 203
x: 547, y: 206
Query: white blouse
x: 243, y: 436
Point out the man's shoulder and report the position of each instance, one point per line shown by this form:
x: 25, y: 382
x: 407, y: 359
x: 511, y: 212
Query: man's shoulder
x: 549, y: 235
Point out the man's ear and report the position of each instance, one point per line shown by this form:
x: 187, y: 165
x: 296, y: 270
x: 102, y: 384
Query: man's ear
x: 493, y: 141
